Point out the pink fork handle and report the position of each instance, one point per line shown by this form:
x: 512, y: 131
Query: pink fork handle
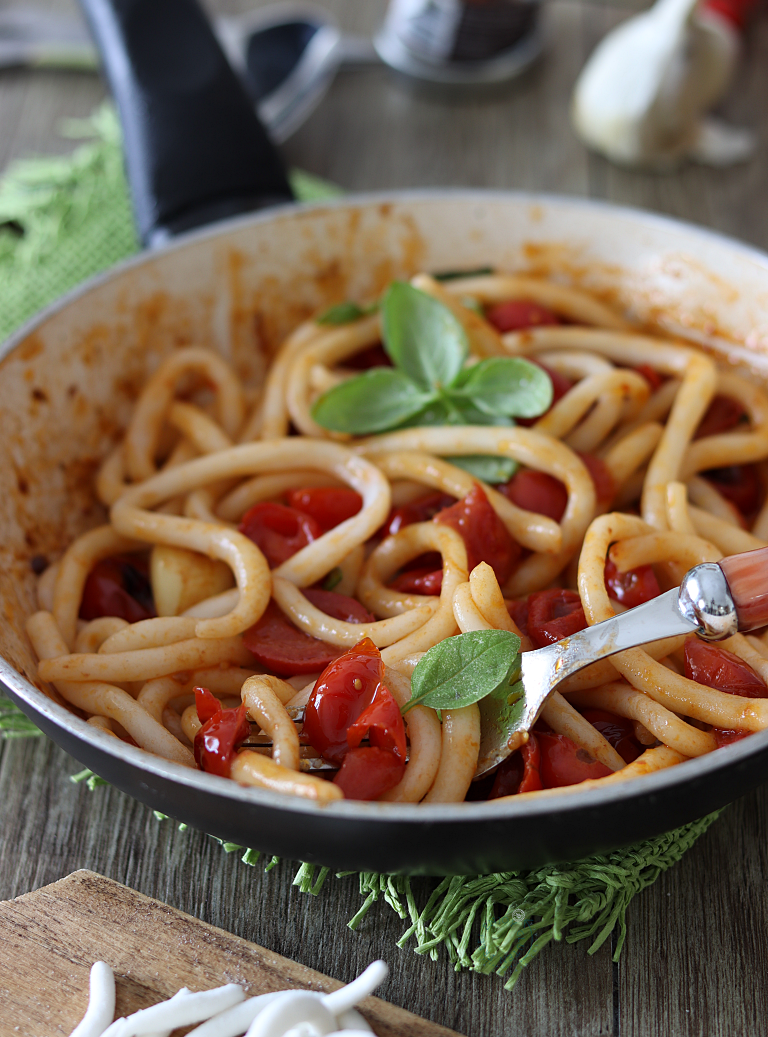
x: 747, y: 578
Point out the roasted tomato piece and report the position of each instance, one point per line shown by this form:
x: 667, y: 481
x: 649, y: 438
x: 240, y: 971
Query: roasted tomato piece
x: 419, y: 581
x: 543, y: 493
x: 485, y: 535
x: 601, y: 477
x: 518, y: 611
x: 368, y: 772
x: 218, y: 739
x: 372, y: 356
x: 553, y: 615
x: 565, y: 763
x: 518, y: 314
x: 740, y: 484
x: 279, y: 531
x: 618, y: 731
x: 537, y: 491
x: 654, y: 379
x: 520, y: 771
x: 723, y: 414
x: 285, y: 650
x: 344, y: 689
x: 382, y: 722
x: 207, y: 705
x: 421, y: 510
x: 633, y: 587
x: 718, y: 668
x: 339, y: 606
x: 327, y: 505
x: 118, y: 586
x: 724, y: 736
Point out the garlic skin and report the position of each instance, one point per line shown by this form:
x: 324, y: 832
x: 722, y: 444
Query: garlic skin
x: 641, y: 98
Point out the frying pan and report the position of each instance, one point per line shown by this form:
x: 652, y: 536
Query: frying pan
x: 68, y: 379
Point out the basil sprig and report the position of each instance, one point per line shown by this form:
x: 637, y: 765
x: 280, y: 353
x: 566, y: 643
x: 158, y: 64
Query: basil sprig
x: 430, y: 383
x: 465, y: 669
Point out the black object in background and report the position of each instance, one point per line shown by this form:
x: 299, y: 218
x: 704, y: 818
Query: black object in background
x: 195, y: 150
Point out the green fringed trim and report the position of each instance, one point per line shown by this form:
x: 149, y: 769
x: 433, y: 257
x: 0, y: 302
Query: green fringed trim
x: 502, y: 921
x: 62, y: 220
x: 13, y: 723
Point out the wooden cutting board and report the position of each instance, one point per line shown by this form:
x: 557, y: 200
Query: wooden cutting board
x: 50, y: 938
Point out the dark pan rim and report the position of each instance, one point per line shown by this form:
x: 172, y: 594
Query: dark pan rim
x: 625, y: 793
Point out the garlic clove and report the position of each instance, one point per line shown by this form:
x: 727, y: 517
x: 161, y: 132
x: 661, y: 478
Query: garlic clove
x: 181, y: 578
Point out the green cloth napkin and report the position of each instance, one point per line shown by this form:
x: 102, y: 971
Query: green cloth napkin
x: 63, y: 220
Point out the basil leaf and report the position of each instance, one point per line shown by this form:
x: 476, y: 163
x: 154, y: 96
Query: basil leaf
x: 469, y: 414
x: 490, y: 468
x: 372, y: 402
x: 455, y: 275
x: 344, y: 313
x: 422, y: 337
x: 508, y: 385
x: 333, y: 579
x: 464, y: 669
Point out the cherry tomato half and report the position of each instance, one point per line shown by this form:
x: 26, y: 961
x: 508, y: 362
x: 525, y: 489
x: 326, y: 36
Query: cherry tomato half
x: 285, y: 650
x: 618, y: 731
x: 537, y: 491
x: 601, y: 477
x: 368, y: 772
x: 723, y: 414
x: 520, y: 772
x: 518, y: 314
x: 206, y: 704
x: 565, y: 763
x: 654, y: 379
x: 485, y: 535
x: 218, y: 739
x: 725, y: 736
x: 553, y: 615
x: 418, y: 581
x: 633, y: 587
x: 118, y: 586
x: 740, y: 484
x: 342, y: 691
x: 540, y: 492
x: 278, y: 531
x: 382, y: 722
x: 718, y: 668
x: 327, y: 505
x: 421, y: 510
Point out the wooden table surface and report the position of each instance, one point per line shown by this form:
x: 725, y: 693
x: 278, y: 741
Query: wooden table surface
x: 695, y: 957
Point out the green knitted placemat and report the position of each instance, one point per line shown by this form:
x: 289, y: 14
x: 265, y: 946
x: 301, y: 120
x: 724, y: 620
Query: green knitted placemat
x: 63, y: 220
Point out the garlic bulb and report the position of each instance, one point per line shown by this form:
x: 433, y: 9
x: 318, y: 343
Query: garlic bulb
x: 643, y: 96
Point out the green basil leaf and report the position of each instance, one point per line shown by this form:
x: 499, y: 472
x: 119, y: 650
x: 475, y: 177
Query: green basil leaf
x: 455, y: 275
x: 464, y: 669
x: 422, y: 337
x: 491, y: 468
x: 345, y: 313
x: 468, y: 414
x: 372, y: 402
x: 508, y: 385
x: 333, y: 579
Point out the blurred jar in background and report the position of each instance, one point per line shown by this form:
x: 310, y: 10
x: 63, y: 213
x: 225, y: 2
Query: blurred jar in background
x: 460, y: 41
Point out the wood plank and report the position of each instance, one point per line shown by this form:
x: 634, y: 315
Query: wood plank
x: 51, y: 937
x: 49, y: 827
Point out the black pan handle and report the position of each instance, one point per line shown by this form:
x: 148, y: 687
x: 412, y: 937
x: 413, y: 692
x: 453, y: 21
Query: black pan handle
x: 195, y: 150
